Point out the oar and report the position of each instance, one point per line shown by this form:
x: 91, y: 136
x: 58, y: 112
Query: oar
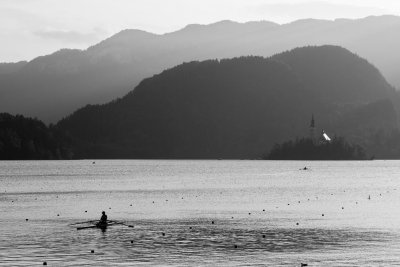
x: 83, y: 222
x: 122, y: 223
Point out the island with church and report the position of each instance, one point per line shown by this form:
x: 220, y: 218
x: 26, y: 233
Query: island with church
x: 316, y: 147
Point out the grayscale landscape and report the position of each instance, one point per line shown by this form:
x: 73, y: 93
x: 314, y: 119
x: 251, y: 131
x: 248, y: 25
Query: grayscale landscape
x: 199, y: 133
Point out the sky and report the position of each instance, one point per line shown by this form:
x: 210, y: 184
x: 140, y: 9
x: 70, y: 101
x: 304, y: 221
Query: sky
x: 31, y: 28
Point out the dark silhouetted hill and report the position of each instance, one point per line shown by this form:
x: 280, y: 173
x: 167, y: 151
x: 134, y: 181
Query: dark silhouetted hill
x: 25, y: 138
x: 53, y: 86
x: 306, y: 149
x: 237, y: 108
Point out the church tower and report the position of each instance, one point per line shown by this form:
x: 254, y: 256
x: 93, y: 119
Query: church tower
x: 312, y: 129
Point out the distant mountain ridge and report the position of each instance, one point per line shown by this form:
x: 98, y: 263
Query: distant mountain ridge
x: 50, y: 87
x: 238, y: 108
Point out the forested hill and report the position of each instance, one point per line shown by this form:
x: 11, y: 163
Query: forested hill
x: 52, y: 86
x: 236, y: 108
x: 26, y: 138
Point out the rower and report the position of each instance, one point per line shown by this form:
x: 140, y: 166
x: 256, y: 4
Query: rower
x: 103, y: 219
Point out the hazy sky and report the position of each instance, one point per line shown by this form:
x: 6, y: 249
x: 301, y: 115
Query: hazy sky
x: 30, y: 28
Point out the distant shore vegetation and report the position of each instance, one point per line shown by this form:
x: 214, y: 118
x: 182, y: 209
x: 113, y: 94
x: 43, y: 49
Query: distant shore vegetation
x: 30, y: 139
x: 307, y: 149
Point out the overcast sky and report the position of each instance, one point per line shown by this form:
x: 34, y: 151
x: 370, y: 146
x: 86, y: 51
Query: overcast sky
x: 30, y: 28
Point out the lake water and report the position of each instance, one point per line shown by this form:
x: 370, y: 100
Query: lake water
x: 265, y: 213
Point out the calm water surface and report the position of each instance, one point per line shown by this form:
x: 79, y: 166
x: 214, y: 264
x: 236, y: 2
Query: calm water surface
x: 264, y: 213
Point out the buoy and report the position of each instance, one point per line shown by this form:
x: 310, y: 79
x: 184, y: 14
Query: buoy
x: 264, y: 210
x: 342, y: 208
x: 163, y: 234
x: 131, y: 241
x: 85, y: 210
x: 92, y: 251
x: 212, y: 222
x: 236, y: 246
x: 304, y: 264
x: 323, y: 215
x: 44, y: 263
x: 249, y: 213
x: 190, y: 227
x: 58, y: 214
x: 297, y: 223
x: 26, y: 219
x: 263, y: 236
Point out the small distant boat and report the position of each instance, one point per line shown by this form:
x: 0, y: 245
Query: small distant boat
x: 102, y: 226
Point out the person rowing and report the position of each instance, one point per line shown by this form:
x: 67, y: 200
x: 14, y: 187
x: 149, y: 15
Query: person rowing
x: 103, y: 220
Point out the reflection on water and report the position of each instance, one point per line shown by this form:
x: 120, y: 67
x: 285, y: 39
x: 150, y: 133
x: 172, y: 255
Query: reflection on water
x: 201, y: 214
x: 194, y: 242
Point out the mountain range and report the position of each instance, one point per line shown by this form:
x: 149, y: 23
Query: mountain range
x: 51, y: 87
x: 240, y: 107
